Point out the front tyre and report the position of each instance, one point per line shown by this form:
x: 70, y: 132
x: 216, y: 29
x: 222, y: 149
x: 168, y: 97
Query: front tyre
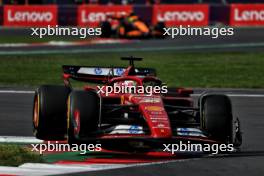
x: 106, y: 29
x: 159, y: 30
x: 50, y: 112
x: 217, y: 118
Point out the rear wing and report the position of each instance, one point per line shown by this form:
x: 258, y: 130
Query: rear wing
x: 101, y: 74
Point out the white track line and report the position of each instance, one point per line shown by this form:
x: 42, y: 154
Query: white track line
x: 16, y: 92
x: 228, y: 94
x: 20, y: 140
x: 8, y: 45
x: 100, y: 50
x: 236, y: 95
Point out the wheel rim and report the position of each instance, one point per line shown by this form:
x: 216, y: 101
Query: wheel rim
x: 36, y: 112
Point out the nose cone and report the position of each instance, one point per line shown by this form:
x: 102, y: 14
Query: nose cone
x: 156, y: 117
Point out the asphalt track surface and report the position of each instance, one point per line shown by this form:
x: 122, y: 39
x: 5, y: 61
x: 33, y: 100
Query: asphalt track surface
x: 244, y: 39
x: 16, y: 113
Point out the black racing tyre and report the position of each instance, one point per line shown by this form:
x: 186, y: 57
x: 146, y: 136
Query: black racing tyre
x: 159, y: 28
x: 106, y: 29
x: 83, y: 115
x: 217, y: 118
x: 50, y: 112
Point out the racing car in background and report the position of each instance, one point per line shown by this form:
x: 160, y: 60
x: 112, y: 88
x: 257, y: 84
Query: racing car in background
x: 123, y: 120
x: 130, y: 27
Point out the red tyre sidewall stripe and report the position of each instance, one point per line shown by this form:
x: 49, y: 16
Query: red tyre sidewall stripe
x: 77, y: 126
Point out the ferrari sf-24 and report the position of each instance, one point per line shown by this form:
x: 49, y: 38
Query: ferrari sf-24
x: 131, y: 119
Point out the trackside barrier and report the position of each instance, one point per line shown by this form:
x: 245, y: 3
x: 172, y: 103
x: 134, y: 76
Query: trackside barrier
x: 33, y: 15
x: 144, y: 12
x: 219, y: 14
x: 67, y: 15
x: 246, y: 14
x: 92, y: 15
x: 175, y: 15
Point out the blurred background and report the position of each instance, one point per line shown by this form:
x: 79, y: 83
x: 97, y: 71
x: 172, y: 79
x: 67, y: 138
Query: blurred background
x: 231, y: 64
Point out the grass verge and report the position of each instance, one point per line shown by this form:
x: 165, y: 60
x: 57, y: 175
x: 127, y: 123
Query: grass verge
x: 15, y: 155
x: 230, y: 70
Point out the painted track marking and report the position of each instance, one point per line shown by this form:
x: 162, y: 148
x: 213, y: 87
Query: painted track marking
x: 100, y: 50
x: 20, y: 140
x: 237, y: 95
x: 228, y: 94
x: 16, y: 92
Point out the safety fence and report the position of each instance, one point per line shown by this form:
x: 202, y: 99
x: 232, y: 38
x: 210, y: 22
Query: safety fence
x: 171, y: 15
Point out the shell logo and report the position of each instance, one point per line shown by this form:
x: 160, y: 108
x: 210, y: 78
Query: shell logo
x: 153, y: 108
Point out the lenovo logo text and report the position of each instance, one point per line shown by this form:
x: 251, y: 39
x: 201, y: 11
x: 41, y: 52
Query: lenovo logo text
x: 24, y: 16
x: 98, y: 16
x: 248, y: 15
x: 181, y: 16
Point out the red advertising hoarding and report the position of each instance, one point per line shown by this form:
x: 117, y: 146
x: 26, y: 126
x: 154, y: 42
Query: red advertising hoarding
x: 246, y: 14
x: 175, y: 15
x: 92, y: 15
x: 30, y: 16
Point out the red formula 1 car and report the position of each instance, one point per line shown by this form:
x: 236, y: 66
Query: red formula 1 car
x: 130, y: 27
x: 131, y: 119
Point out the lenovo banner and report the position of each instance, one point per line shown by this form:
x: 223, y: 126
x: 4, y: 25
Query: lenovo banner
x: 92, y: 15
x: 31, y: 16
x: 175, y: 15
x: 247, y: 14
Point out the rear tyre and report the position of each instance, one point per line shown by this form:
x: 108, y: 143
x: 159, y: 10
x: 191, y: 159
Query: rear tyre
x: 106, y: 29
x: 50, y: 112
x: 83, y: 114
x: 216, y: 117
x: 159, y: 28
